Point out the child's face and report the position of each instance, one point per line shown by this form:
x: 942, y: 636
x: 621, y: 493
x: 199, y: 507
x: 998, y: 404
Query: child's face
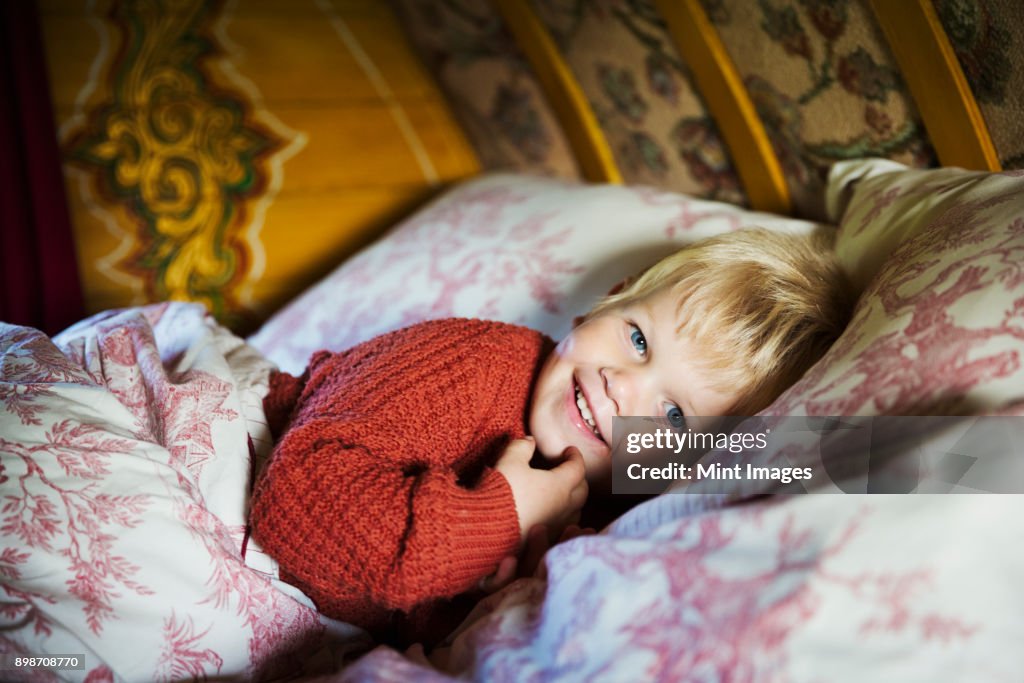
x: 628, y: 361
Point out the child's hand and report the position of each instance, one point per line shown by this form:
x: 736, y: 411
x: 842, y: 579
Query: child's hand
x: 543, y: 497
x: 524, y: 564
x: 528, y: 563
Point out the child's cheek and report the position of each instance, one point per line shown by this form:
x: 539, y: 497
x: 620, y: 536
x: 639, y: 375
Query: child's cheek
x: 566, y: 346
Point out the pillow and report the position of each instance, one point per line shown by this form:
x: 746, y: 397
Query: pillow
x: 520, y: 249
x: 939, y: 328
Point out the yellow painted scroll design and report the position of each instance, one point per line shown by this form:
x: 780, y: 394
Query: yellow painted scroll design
x: 182, y: 156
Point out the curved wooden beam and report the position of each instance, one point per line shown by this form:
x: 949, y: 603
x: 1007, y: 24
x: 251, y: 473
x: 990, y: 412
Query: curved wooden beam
x: 729, y: 104
x: 589, y: 145
x: 937, y: 83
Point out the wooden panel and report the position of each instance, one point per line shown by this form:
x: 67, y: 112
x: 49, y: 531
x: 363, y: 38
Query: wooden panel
x: 727, y: 100
x: 71, y: 45
x: 563, y: 92
x: 323, y: 230
x: 99, y: 245
x: 237, y: 150
x: 269, y: 8
x: 294, y: 67
x: 304, y: 237
x: 937, y: 83
x: 362, y: 145
x: 77, y: 8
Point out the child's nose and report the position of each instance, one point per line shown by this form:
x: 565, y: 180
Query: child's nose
x: 612, y: 387
x: 625, y: 388
x: 631, y: 390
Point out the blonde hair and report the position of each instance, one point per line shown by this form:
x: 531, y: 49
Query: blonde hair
x: 762, y: 306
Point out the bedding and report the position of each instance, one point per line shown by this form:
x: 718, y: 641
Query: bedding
x: 126, y: 461
x: 136, y: 425
x: 801, y: 588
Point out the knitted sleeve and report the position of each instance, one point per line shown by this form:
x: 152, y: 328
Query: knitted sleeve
x: 284, y: 392
x: 377, y: 495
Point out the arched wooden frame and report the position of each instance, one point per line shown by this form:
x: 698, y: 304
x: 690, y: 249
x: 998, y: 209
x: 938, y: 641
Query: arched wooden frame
x: 574, y: 113
x: 728, y: 102
x: 925, y: 56
x: 716, y: 77
x: 937, y: 83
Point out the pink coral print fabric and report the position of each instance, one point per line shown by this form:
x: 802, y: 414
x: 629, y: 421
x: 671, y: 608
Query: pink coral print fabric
x: 940, y: 325
x: 124, y: 478
x: 789, y: 590
x: 801, y: 589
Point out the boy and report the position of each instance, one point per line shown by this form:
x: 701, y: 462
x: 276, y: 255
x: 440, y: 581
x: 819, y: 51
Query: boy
x: 402, y: 475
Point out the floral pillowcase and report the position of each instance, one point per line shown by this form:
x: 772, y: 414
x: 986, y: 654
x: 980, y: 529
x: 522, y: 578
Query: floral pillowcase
x: 939, y: 257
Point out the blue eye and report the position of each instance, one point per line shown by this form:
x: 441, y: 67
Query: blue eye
x: 675, y: 417
x: 638, y: 339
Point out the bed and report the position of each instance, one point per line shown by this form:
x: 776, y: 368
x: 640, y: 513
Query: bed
x: 129, y: 440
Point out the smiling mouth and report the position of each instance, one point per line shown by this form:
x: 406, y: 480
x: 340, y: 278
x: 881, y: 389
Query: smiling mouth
x: 585, y: 412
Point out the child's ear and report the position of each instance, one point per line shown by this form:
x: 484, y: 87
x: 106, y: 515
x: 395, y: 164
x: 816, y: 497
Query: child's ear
x: 621, y: 285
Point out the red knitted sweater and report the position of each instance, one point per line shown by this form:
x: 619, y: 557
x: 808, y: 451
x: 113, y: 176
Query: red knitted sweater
x: 378, y: 499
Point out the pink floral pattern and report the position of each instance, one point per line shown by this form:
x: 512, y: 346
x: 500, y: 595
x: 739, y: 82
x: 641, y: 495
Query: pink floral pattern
x: 125, y: 466
x: 34, y: 515
x: 182, y: 656
x: 938, y: 328
x: 784, y: 590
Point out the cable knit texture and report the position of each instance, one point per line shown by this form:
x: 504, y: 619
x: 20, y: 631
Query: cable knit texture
x: 378, y: 501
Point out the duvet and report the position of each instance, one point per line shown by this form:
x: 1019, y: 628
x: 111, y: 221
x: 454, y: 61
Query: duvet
x: 128, y: 444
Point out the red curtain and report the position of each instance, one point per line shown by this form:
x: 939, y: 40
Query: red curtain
x: 39, y: 279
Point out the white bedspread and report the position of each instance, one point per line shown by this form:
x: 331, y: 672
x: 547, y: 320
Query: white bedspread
x: 126, y: 467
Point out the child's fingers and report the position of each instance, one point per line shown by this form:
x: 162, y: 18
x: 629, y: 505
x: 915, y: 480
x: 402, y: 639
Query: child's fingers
x: 571, y: 469
x: 578, y: 495
x: 501, y: 577
x: 520, y: 449
x: 417, y: 654
x: 573, y: 474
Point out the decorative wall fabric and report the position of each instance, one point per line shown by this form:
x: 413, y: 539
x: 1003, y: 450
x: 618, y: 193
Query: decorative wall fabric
x: 987, y: 38
x: 40, y: 286
x: 643, y: 94
x: 825, y: 85
x: 820, y: 75
x: 490, y: 85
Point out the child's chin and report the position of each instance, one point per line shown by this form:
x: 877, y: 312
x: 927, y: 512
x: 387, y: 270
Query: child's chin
x: 595, y: 456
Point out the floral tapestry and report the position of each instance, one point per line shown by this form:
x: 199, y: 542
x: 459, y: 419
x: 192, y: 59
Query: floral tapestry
x: 643, y: 95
